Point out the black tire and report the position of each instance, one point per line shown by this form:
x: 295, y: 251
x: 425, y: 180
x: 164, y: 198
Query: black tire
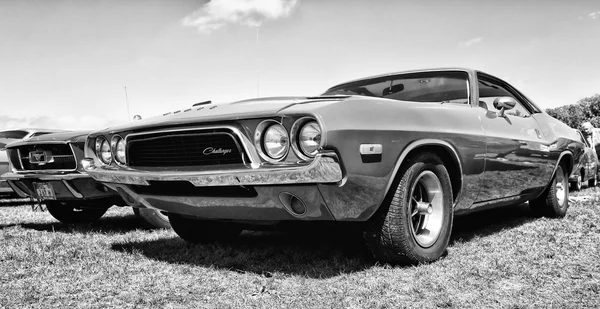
x: 152, y: 218
x: 68, y: 213
x: 554, y: 202
x: 576, y: 185
x: 200, y: 231
x: 592, y: 182
x: 391, y: 234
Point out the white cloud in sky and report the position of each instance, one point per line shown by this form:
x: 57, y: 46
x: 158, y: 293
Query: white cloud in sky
x: 594, y: 15
x: 218, y: 13
x: 471, y: 42
x: 64, y: 122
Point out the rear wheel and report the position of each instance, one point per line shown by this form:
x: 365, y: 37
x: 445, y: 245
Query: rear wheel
x: 69, y: 213
x: 152, y: 218
x: 414, y: 224
x: 554, y: 201
x: 576, y: 185
x: 593, y: 182
x: 199, y: 231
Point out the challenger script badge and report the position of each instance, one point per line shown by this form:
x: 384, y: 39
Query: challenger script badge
x: 211, y: 150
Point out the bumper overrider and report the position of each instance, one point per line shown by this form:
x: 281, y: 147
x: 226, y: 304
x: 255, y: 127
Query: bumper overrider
x: 267, y: 192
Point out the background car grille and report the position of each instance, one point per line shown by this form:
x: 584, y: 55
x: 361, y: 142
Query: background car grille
x: 62, y: 157
x: 183, y: 148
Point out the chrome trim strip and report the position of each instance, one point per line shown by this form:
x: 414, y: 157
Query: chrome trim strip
x: 20, y: 158
x: 325, y: 168
x: 246, y: 143
x: 425, y: 142
x: 41, y: 176
x: 72, y: 190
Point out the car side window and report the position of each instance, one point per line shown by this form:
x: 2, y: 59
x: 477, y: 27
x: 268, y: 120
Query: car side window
x: 490, y: 90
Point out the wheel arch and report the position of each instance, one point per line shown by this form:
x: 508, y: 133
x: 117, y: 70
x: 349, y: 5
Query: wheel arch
x: 566, y: 157
x: 447, y: 154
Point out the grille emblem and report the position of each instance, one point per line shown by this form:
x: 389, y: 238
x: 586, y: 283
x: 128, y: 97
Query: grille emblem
x: 40, y: 157
x: 210, y: 151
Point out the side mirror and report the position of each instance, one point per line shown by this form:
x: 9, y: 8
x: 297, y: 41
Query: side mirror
x: 503, y: 104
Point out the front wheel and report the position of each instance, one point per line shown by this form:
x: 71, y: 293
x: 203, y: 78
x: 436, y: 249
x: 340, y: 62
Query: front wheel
x: 554, y: 201
x: 200, y: 231
x: 414, y: 224
x: 68, y: 213
x: 152, y: 218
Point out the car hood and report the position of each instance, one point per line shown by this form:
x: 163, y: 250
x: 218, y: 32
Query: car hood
x: 69, y: 136
x: 225, y: 111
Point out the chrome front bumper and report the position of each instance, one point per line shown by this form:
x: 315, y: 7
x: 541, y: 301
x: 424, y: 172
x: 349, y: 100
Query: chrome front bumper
x: 45, y: 177
x: 325, y: 168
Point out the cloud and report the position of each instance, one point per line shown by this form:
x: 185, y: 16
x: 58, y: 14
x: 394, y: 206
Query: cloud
x: 64, y: 122
x: 218, y: 13
x: 471, y: 42
x: 594, y: 15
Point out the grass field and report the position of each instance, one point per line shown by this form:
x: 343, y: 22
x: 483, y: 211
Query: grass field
x: 503, y: 258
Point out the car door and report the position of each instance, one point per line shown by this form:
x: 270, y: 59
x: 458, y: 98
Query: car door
x: 517, y: 159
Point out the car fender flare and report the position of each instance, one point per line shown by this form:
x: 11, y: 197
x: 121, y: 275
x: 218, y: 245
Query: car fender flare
x: 560, y: 157
x: 428, y: 142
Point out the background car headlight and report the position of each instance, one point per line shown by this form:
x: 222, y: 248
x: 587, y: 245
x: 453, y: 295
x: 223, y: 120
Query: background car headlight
x: 120, y: 150
x: 309, y: 138
x: 276, y: 141
x: 104, y: 154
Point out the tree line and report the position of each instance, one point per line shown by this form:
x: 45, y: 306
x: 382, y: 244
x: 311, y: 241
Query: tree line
x: 586, y: 109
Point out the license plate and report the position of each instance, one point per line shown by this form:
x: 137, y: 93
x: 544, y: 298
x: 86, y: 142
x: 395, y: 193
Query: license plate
x: 44, y: 191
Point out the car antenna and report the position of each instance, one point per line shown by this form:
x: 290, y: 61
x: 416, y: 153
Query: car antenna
x: 202, y: 103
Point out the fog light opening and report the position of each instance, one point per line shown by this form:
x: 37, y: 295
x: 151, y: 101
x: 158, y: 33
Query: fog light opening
x: 292, y: 204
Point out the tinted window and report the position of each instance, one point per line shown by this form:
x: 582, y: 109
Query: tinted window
x: 418, y: 87
x: 13, y: 134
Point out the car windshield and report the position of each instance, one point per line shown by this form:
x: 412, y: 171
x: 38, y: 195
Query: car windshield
x: 418, y: 87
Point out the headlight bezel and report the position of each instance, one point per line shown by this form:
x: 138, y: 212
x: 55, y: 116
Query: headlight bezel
x: 295, y: 135
x: 259, y: 140
x: 114, y: 146
x: 99, y: 143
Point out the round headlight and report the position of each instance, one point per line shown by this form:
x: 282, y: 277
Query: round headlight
x: 309, y: 138
x: 276, y: 141
x: 120, y: 150
x: 105, y: 153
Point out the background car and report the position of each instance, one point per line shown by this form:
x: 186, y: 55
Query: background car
x: 586, y: 167
x: 7, y: 137
x: 400, y: 154
x: 48, y: 168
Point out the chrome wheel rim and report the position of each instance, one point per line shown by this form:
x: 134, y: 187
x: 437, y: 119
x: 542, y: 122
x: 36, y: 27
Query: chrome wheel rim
x: 426, y: 209
x: 560, y: 187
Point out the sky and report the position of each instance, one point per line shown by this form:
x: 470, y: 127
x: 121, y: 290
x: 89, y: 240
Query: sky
x: 90, y: 64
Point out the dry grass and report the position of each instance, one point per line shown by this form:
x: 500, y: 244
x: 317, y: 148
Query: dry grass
x: 504, y: 258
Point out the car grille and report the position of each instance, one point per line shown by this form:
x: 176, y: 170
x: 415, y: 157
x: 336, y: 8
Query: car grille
x: 184, y: 148
x: 59, y: 157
